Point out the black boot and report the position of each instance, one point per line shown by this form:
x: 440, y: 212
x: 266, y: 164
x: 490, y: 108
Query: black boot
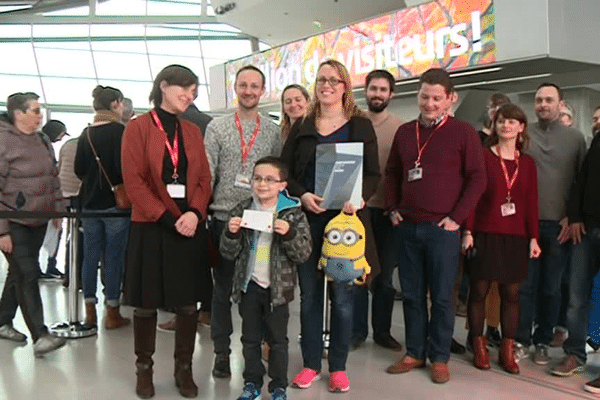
x: 144, y: 338
x: 185, y: 339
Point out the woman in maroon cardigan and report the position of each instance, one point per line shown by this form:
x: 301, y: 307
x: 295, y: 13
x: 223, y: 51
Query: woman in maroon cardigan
x: 504, y: 231
x: 167, y: 177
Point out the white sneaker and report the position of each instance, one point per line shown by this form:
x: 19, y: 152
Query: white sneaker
x: 46, y: 344
x: 8, y: 332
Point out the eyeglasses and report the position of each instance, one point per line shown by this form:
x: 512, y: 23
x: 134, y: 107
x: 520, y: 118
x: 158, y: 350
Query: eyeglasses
x: 332, y: 81
x: 269, y: 180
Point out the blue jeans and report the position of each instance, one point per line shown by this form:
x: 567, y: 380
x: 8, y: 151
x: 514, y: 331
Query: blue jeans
x: 111, y: 235
x: 428, y: 256
x: 21, y: 286
x: 383, y: 291
x: 221, y: 327
x: 594, y: 318
x: 541, y: 292
x: 585, y: 264
x: 311, y: 307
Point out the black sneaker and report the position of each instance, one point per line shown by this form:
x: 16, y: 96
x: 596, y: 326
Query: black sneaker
x: 387, y: 342
x: 221, y: 368
x: 356, y: 343
x: 457, y: 348
x: 493, y: 337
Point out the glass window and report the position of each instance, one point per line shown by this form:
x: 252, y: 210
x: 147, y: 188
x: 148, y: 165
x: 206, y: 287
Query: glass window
x: 126, y: 46
x: 116, y: 7
x: 58, y: 31
x: 186, y: 48
x: 69, y: 91
x: 80, y: 45
x: 228, y: 50
x: 173, y: 7
x: 194, y: 63
x: 202, y: 100
x: 21, y: 60
x: 74, y: 121
x: 68, y: 63
x: 14, y: 31
x: 113, y: 30
x: 19, y: 83
x: 121, y: 65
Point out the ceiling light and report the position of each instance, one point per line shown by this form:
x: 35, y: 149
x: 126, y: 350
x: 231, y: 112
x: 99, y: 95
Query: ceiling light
x: 505, y: 80
x: 475, y: 72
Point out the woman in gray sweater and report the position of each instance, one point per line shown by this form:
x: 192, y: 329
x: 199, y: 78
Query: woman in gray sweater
x: 28, y: 182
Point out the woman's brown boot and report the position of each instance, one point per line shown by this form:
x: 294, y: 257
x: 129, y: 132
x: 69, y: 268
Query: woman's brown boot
x: 481, y: 357
x: 90, y: 314
x: 114, y: 319
x: 144, y: 338
x: 185, y: 339
x: 507, y: 356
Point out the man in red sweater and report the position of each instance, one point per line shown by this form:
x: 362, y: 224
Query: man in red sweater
x: 434, y: 176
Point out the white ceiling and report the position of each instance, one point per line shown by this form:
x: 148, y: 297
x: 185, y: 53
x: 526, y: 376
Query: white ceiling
x: 281, y: 21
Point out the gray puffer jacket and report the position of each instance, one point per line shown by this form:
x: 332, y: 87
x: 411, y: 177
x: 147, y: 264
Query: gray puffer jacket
x: 28, y: 175
x: 286, y: 251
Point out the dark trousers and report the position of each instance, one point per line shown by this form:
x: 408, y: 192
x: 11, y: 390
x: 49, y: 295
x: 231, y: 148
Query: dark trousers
x: 428, y: 257
x: 221, y: 327
x: 383, y: 291
x: 21, y: 287
x: 540, y: 293
x: 258, y: 313
x: 585, y: 264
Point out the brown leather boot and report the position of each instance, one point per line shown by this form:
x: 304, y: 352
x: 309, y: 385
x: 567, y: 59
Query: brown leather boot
x: 90, y: 314
x: 144, y: 339
x: 185, y: 339
x: 507, y: 356
x: 114, y: 319
x: 481, y: 357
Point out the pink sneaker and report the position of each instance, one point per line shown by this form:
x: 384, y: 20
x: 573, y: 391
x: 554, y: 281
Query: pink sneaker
x: 305, y: 378
x: 338, y: 382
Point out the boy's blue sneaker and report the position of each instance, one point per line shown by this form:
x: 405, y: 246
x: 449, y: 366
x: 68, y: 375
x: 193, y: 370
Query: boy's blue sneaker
x: 250, y: 392
x: 279, y: 394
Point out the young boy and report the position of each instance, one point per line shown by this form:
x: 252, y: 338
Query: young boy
x: 265, y: 273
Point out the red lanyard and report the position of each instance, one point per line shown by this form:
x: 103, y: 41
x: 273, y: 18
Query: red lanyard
x: 173, y: 150
x: 509, y: 181
x: 246, y: 149
x: 421, y: 149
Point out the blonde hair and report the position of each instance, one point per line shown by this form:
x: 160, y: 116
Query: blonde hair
x: 285, y: 119
x: 348, y: 105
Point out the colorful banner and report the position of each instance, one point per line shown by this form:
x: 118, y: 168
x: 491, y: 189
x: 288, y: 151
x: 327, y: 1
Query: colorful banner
x: 451, y: 34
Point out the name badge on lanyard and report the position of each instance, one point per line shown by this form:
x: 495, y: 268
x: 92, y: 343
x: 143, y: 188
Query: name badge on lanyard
x: 242, y: 180
x: 175, y: 190
x: 509, y: 208
x: 416, y: 173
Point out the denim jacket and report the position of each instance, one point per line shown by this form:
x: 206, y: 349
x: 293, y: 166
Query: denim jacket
x: 286, y: 251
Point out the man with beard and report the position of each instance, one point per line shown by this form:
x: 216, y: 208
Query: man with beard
x: 558, y: 152
x: 379, y: 89
x: 233, y: 144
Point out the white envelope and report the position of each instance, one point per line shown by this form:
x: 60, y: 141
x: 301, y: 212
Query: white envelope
x: 258, y: 220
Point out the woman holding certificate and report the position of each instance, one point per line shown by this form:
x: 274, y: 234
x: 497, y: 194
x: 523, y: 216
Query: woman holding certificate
x: 167, y: 177
x: 333, y: 118
x: 504, y: 230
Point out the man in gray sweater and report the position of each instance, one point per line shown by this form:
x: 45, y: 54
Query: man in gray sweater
x: 558, y: 152
x: 233, y: 144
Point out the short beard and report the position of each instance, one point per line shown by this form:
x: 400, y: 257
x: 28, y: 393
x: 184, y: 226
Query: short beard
x: 377, y: 108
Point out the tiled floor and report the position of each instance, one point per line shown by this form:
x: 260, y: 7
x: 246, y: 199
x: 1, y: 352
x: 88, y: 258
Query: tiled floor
x: 102, y: 367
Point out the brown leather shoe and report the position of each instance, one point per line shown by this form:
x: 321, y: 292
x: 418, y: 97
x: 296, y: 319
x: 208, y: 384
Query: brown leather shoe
x: 481, y: 358
x: 440, y: 373
x: 90, y: 314
x: 114, y: 319
x: 405, y: 364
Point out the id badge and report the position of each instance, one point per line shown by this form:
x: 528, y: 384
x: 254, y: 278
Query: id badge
x: 507, y: 209
x: 176, y: 190
x: 242, y: 181
x: 415, y: 174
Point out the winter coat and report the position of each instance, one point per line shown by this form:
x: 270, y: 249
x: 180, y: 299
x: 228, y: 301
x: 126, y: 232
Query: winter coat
x: 286, y: 251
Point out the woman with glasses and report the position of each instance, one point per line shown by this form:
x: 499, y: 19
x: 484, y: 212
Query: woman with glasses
x: 167, y: 178
x: 28, y: 182
x: 98, y: 165
x: 333, y: 118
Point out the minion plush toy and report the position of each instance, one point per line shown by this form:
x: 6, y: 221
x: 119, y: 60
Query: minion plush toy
x: 343, y: 253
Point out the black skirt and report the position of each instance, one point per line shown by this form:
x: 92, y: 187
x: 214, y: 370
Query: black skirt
x: 501, y: 258
x: 165, y: 269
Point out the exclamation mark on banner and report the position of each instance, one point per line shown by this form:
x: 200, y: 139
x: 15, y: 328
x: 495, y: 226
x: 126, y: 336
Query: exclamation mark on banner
x: 476, y: 29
